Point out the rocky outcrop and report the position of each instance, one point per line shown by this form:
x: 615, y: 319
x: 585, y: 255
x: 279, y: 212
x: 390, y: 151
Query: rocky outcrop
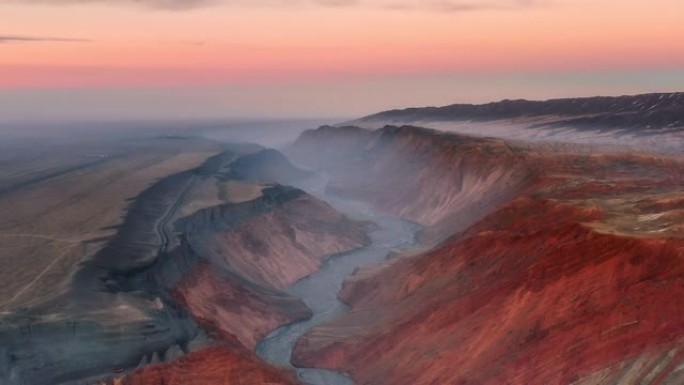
x: 232, y: 310
x: 266, y: 165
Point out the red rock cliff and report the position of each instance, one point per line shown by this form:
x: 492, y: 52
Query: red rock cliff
x: 578, y: 280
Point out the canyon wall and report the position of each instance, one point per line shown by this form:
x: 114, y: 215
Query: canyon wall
x: 247, y: 253
x: 575, y: 279
x: 442, y: 181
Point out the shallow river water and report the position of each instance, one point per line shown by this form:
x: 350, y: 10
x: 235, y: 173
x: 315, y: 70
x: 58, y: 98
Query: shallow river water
x: 319, y: 290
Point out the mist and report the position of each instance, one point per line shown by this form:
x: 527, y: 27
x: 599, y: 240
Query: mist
x: 268, y: 133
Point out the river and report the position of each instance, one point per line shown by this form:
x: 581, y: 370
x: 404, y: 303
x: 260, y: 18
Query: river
x: 319, y: 290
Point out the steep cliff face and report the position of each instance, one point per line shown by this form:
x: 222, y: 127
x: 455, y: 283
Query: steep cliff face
x: 285, y: 242
x: 576, y: 280
x: 248, y: 251
x: 443, y: 181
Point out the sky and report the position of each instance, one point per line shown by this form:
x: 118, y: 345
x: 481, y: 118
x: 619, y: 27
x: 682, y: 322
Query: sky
x: 139, y: 59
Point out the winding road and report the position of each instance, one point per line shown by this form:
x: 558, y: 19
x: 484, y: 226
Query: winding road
x: 161, y: 226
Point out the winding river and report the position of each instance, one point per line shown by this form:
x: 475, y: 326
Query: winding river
x: 319, y: 290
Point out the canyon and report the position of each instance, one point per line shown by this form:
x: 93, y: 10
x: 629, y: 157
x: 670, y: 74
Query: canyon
x: 194, y: 267
x: 400, y: 248
x: 568, y: 274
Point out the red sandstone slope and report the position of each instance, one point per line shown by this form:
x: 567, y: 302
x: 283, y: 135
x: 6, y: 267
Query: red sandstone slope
x: 233, y: 312
x: 547, y: 303
x: 580, y: 280
x: 213, y: 366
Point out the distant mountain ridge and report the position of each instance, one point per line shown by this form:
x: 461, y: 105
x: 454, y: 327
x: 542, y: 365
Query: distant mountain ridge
x: 652, y: 111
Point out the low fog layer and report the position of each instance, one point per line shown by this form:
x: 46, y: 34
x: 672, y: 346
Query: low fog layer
x: 268, y: 133
x: 616, y: 140
x: 643, y: 122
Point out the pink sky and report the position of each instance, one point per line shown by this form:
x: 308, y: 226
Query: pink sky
x: 58, y: 44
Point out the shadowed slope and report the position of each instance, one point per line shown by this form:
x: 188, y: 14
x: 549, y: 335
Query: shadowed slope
x: 443, y: 181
